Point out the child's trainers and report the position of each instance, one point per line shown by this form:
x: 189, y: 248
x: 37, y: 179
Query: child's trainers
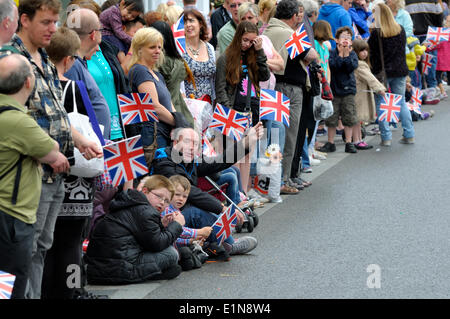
x: 243, y: 245
x: 363, y: 146
x: 216, y: 253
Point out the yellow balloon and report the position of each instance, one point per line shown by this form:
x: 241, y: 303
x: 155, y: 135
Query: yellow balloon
x: 17, y: 2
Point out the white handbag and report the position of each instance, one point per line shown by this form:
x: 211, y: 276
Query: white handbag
x: 82, y: 166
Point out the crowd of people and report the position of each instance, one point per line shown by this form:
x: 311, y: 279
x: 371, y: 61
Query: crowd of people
x: 160, y: 224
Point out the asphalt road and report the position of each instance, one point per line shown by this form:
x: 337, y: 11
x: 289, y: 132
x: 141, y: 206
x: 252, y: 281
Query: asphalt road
x: 387, y: 207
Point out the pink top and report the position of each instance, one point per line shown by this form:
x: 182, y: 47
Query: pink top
x: 443, y: 56
x: 268, y: 47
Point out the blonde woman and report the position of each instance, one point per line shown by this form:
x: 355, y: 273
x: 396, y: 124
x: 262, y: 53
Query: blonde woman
x: 147, y: 56
x: 401, y: 15
x: 266, y: 11
x: 172, y: 14
x: 393, y: 40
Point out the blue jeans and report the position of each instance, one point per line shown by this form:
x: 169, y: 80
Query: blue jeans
x: 398, y: 86
x: 197, y: 218
x: 431, y: 76
x: 416, y: 78
x: 276, y: 133
x: 229, y: 176
x: 305, y: 155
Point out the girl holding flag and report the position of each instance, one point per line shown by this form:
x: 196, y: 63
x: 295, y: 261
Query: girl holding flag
x: 239, y: 70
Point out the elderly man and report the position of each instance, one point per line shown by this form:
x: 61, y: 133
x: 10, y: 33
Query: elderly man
x: 38, y: 20
x: 22, y: 147
x: 8, y: 20
x: 181, y: 160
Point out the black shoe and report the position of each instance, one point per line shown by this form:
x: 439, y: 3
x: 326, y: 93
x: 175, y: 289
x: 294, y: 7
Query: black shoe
x: 169, y: 273
x: 363, y: 146
x: 350, y: 148
x: 186, y: 258
x: 328, y: 148
x: 216, y: 252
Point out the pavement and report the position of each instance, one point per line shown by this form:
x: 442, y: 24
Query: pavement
x: 373, y: 225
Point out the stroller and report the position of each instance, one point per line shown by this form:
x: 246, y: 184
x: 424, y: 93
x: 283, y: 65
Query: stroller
x: 251, y: 218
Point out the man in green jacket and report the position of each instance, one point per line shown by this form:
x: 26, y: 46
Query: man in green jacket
x: 23, y: 146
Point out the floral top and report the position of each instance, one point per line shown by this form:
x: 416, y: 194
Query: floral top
x: 204, y: 75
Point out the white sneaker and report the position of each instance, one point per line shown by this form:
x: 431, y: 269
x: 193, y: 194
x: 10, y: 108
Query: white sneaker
x: 313, y: 161
x: 318, y: 156
x: 252, y: 194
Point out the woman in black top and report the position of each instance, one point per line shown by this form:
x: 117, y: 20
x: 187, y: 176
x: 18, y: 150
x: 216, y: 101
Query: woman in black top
x: 392, y: 53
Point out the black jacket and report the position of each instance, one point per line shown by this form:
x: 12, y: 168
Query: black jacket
x: 342, y: 73
x: 218, y: 19
x: 393, y: 54
x: 119, y: 247
x: 165, y: 163
x: 120, y: 80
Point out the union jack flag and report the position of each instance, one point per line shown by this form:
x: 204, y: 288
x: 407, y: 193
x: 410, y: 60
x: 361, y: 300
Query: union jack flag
x: 298, y: 42
x: 356, y: 32
x: 414, y: 107
x: 125, y: 160
x: 274, y: 106
x: 416, y: 96
x: 6, y: 285
x: 229, y: 122
x: 178, y: 34
x: 136, y: 108
x: 390, y: 108
x: 436, y: 34
x: 208, y: 149
x: 224, y: 225
x: 426, y: 62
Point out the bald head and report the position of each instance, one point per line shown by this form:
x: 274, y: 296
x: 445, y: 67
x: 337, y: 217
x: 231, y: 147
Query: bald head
x: 15, y: 71
x: 187, y: 143
x: 83, y: 21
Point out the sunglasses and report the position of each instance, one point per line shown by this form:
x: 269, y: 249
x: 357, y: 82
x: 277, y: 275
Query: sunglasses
x: 234, y: 5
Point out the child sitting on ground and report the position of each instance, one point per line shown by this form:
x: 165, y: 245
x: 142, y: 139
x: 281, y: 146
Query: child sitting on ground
x: 132, y: 243
x: 416, y: 114
x: 112, y: 20
x: 182, y: 189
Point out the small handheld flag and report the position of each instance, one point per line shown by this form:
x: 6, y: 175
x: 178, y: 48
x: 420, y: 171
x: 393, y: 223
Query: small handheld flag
x: 437, y: 34
x: 178, y: 34
x: 426, y: 63
x: 274, y: 106
x: 125, y: 160
x: 224, y: 225
x: 229, y: 122
x: 298, y: 42
x: 390, y: 108
x: 6, y: 285
x: 416, y: 96
x: 136, y: 108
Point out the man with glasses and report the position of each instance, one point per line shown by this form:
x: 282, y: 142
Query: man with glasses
x: 87, y: 25
x: 38, y: 20
x: 226, y: 34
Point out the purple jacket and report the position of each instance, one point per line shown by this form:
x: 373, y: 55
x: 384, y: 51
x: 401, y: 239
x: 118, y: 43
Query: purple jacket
x: 111, y: 20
